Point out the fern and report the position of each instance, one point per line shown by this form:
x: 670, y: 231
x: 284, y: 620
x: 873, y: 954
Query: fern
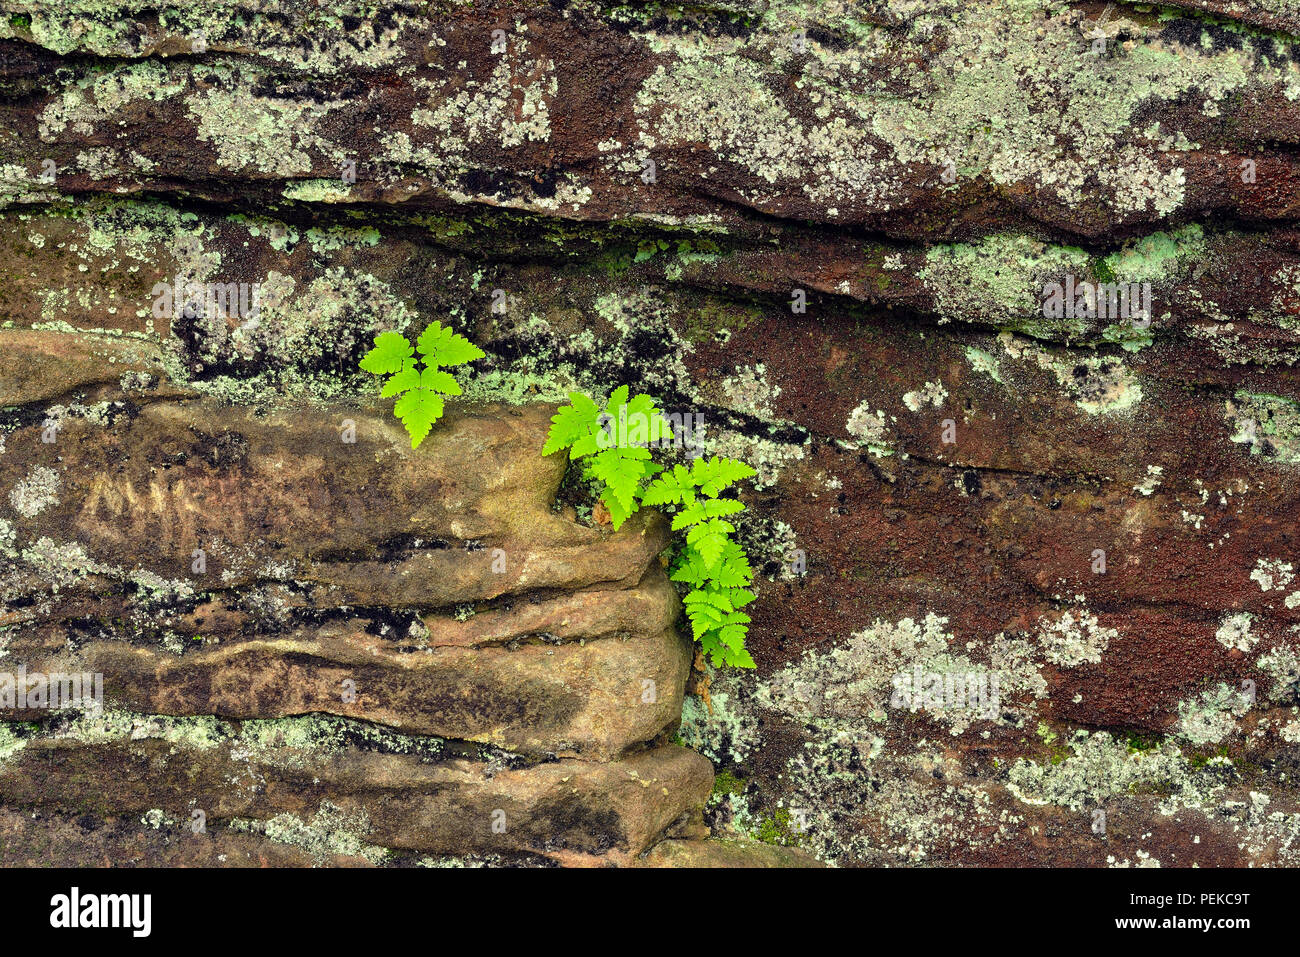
x: 711, y: 563
x: 420, y: 391
x: 584, y: 429
x: 714, y: 564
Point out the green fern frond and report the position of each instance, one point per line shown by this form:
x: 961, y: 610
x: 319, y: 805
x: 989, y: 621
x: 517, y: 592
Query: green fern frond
x: 675, y: 487
x: 715, y: 474
x: 703, y: 511
x: 571, y: 423
x: 389, y: 354
x: 442, y: 347
x: 420, y: 391
x: 612, y: 441
x: 584, y: 428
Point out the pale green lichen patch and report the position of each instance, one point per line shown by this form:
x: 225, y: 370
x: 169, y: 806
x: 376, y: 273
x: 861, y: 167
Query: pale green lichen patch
x: 999, y: 281
x: 860, y: 683
x: 1070, y: 641
x: 769, y: 457
x: 709, y: 92
x: 1157, y: 258
x: 343, y: 35
x: 1212, y: 715
x: 118, y: 251
x: 19, y: 186
x: 1236, y: 632
x: 725, y: 729
x: 1101, y: 768
x: 1097, y: 384
x: 324, y: 324
x: 246, y: 130
x: 59, y: 565
x: 870, y: 429
x: 1268, y: 424
x: 862, y: 113
x: 35, y: 493
x: 150, y: 588
x: 910, y: 807
x: 7, y: 538
x: 984, y: 363
x: 112, y: 726
x: 280, y: 741
x: 1284, y: 310
x: 254, y: 133
x: 331, y: 831
x: 523, y: 383
x: 511, y: 107
x: 749, y: 391
x: 318, y: 191
x: 98, y: 98
x: 1152, y: 480
x: 1282, y: 665
x: 932, y: 394
x: 1272, y: 574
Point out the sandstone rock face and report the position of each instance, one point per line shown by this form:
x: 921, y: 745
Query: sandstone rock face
x: 400, y: 653
x: 830, y: 229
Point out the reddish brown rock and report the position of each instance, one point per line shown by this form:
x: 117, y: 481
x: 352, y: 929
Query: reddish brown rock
x: 943, y: 466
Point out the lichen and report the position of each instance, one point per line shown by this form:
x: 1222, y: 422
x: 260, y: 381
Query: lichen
x: 35, y: 493
x: 999, y: 281
x: 723, y: 728
x: 1272, y: 574
x: 1100, y: 768
x: 1268, y: 424
x: 331, y: 831
x: 1236, y: 632
x: 1099, y: 385
x: 1069, y: 641
x: 870, y: 429
x: 1212, y: 715
x: 932, y: 394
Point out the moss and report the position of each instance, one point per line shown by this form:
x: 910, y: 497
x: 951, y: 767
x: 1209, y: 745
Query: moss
x: 717, y: 320
x: 724, y: 782
x: 1140, y: 743
x: 1128, y: 336
x: 778, y: 828
x: 11, y: 741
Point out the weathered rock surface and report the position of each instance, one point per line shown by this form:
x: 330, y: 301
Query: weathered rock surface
x: 216, y: 563
x: 725, y: 852
x: 1100, y: 513
x: 294, y: 779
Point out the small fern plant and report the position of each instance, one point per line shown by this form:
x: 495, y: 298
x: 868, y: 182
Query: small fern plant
x: 711, y: 562
x: 420, y: 391
x: 582, y: 428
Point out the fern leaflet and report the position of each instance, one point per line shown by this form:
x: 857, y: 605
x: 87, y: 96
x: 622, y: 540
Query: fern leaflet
x: 420, y: 391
